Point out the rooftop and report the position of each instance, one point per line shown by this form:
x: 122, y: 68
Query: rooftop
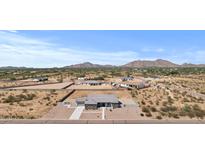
x: 91, y: 82
x: 100, y: 98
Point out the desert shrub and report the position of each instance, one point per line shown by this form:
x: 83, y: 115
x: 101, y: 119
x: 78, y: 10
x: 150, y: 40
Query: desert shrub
x: 53, y: 91
x: 18, y: 98
x: 150, y: 102
x: 25, y: 91
x: 153, y: 109
x: 186, y: 99
x: 159, y: 117
x: 143, y: 103
x: 168, y: 108
x: 30, y: 96
x: 54, y: 104
x: 191, y: 114
x: 186, y: 108
x: 22, y: 104
x: 170, y: 100
x: 148, y: 114
x: 98, y: 78
x: 202, y: 92
x: 162, y: 113
x: 184, y: 93
x: 175, y: 115
x: 47, y: 104
x: 11, y: 99
x: 133, y: 93
x: 164, y: 103
x: 200, y: 100
x: 47, y: 98
x: 142, y: 114
x: 12, y: 78
x: 198, y: 111
x: 192, y: 111
x: 145, y: 109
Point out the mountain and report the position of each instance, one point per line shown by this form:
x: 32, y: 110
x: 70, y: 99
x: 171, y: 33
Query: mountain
x: 88, y: 65
x: 192, y: 65
x: 149, y: 63
x: 12, y: 67
x: 135, y: 64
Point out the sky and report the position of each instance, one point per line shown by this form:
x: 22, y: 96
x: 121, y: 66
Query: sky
x: 57, y: 48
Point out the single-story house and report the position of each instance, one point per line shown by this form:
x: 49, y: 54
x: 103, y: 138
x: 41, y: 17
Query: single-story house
x: 92, y: 82
x: 96, y: 101
x: 38, y: 79
x: 81, y: 78
x: 127, y: 78
x: 138, y: 85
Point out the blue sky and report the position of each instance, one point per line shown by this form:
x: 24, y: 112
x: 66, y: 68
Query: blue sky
x: 61, y: 48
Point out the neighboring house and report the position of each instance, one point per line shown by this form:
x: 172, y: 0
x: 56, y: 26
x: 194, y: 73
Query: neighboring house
x: 38, y: 79
x: 99, y: 100
x: 92, y: 82
x: 81, y: 78
x: 127, y: 78
x: 131, y: 85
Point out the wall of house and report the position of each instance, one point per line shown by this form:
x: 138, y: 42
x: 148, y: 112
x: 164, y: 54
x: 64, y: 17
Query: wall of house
x: 116, y: 105
x: 90, y: 106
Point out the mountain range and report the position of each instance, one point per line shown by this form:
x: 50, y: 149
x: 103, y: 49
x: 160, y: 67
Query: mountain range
x: 138, y: 64
x: 88, y: 65
x: 134, y: 64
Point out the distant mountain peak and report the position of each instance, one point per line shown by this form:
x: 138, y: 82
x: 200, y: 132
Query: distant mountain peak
x: 150, y: 63
x: 88, y: 65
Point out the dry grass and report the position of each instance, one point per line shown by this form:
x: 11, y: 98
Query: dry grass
x: 28, y: 104
x: 170, y: 99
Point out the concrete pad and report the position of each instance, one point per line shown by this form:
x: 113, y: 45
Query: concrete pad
x: 77, y: 113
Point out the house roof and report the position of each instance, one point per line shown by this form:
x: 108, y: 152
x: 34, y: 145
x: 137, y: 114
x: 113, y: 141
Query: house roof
x: 99, y: 98
x: 91, y: 82
x: 127, y: 78
x: 82, y: 99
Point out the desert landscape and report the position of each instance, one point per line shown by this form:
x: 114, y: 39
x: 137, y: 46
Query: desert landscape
x: 165, y: 92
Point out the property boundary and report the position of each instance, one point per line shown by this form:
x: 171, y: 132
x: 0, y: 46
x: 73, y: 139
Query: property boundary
x: 68, y: 85
x: 16, y: 121
x: 28, y: 85
x: 66, y: 96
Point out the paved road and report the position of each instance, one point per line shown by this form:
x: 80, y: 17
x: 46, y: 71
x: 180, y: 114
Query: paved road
x: 77, y: 113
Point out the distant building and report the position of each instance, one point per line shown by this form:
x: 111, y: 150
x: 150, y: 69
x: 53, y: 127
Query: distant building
x: 99, y: 100
x: 81, y: 78
x: 131, y: 85
x: 92, y: 82
x: 39, y: 79
x: 127, y: 78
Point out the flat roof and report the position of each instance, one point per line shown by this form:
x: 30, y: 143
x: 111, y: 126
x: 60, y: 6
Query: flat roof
x: 100, y: 98
x: 91, y: 82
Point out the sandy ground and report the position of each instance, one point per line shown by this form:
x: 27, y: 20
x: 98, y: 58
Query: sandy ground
x: 91, y: 116
x: 43, y: 101
x: 22, y: 83
x: 128, y: 113
x: 60, y: 112
x: 48, y: 86
x: 90, y: 87
x: 118, y: 93
x: 124, y: 113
